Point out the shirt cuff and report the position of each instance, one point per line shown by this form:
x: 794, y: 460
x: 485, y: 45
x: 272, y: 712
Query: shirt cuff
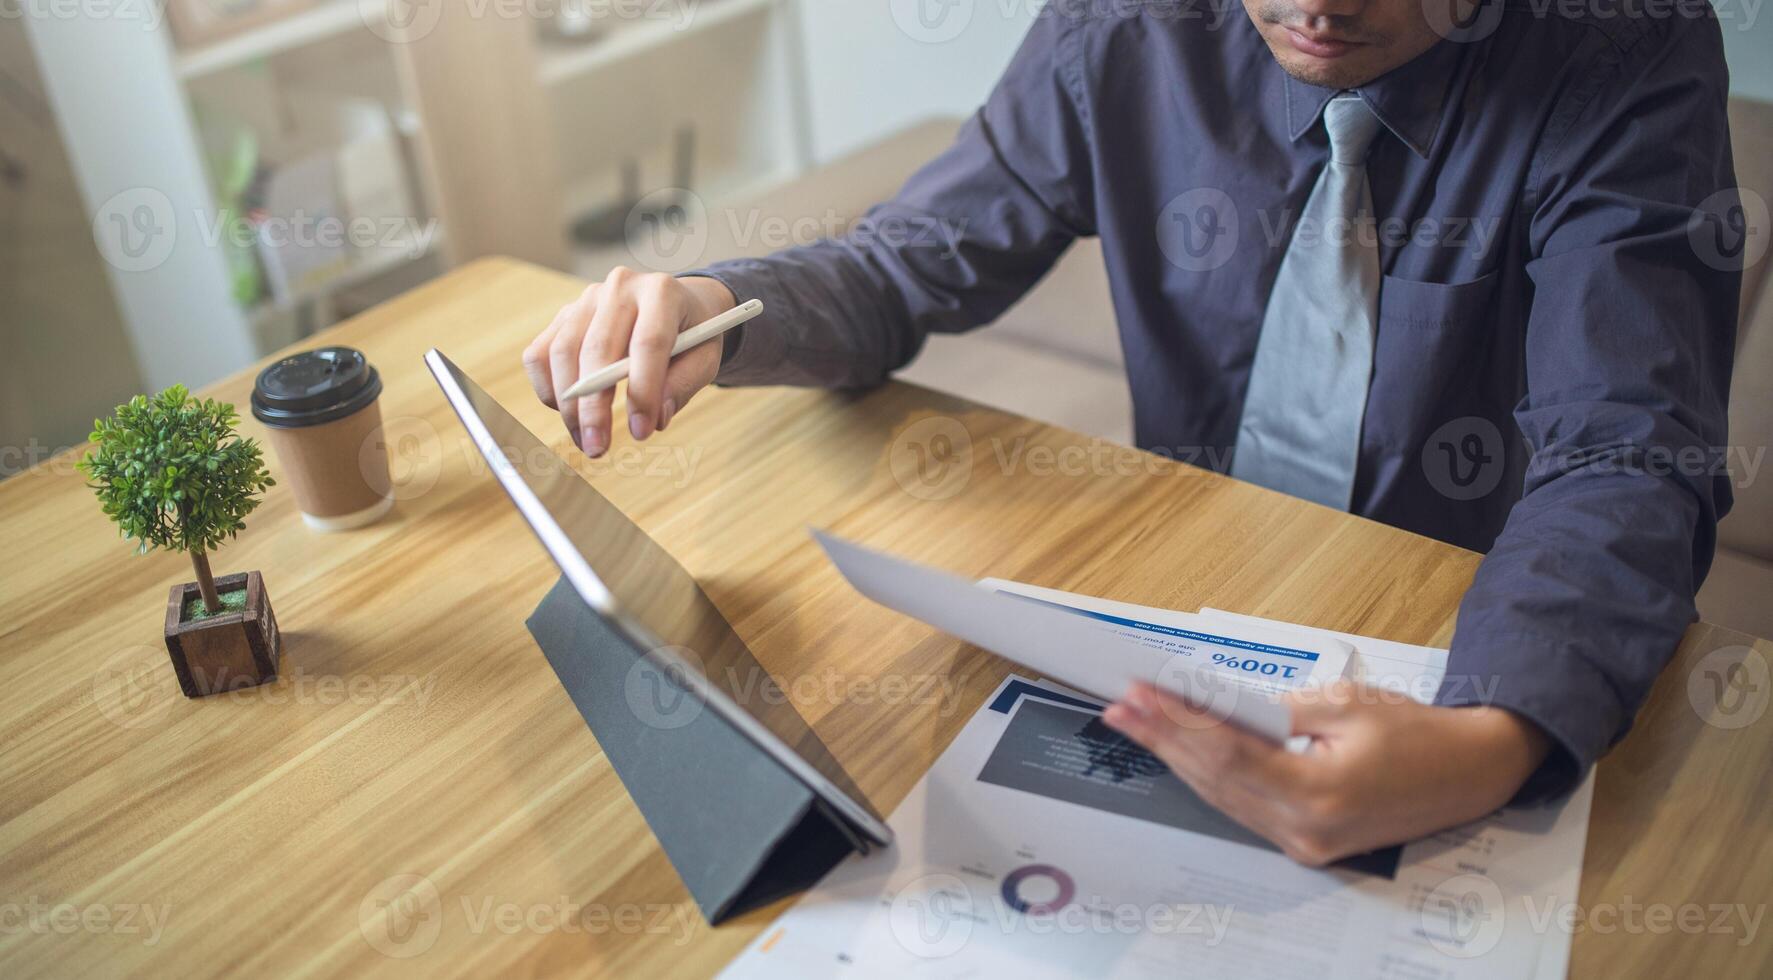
x: 750, y: 352
x: 1547, y: 681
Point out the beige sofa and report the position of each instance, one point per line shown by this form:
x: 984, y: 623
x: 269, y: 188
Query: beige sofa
x: 1739, y: 593
x: 1055, y: 356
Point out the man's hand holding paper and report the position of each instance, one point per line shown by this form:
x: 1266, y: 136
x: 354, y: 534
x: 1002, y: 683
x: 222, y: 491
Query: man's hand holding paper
x: 1380, y: 768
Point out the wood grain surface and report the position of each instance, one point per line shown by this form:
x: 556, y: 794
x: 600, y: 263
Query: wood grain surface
x: 417, y: 749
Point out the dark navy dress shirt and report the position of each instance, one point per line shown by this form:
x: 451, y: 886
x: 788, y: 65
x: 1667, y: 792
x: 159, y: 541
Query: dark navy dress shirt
x: 1556, y: 315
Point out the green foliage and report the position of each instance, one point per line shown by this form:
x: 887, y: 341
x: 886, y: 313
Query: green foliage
x: 172, y: 473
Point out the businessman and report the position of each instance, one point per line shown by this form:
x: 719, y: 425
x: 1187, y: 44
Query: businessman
x: 1463, y: 270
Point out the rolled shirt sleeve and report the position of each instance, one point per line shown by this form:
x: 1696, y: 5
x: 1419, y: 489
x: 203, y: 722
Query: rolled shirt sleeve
x: 1629, y: 345
x: 968, y: 235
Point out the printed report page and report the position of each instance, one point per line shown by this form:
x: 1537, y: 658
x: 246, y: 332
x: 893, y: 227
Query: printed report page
x: 1043, y: 844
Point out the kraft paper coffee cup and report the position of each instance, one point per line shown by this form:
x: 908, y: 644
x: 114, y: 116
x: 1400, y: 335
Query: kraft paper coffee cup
x: 326, y: 427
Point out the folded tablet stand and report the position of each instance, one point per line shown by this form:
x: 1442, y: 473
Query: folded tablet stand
x: 738, y: 828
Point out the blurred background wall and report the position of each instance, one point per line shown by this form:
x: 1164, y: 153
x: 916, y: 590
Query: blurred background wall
x: 184, y: 188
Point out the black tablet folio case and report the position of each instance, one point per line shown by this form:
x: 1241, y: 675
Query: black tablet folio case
x: 738, y: 828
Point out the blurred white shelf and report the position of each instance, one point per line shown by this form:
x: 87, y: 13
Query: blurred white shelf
x: 593, y: 262
x: 725, y: 191
x: 353, y: 275
x: 560, y: 63
x: 327, y: 20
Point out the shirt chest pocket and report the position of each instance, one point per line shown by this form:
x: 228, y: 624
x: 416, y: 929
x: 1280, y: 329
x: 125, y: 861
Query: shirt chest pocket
x: 1431, y: 357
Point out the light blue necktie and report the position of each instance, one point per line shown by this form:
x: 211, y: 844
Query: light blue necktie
x: 1301, y: 428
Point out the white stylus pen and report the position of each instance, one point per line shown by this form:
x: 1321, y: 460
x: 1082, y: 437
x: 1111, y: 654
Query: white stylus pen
x: 606, y: 378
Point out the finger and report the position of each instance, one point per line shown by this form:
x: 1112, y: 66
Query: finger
x: 1202, y: 703
x: 689, y: 372
x: 1176, y: 716
x: 661, y: 309
x: 563, y: 360
x: 1134, y: 724
x: 1300, y: 802
x: 1261, y: 813
x: 606, y: 342
x: 593, y: 412
x: 535, y: 362
x: 1221, y: 751
x: 1156, y: 733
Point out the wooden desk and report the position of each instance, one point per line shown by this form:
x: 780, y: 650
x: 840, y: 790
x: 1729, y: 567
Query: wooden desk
x: 416, y: 730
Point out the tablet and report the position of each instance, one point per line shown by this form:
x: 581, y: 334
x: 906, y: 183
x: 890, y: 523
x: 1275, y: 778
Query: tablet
x: 646, y: 597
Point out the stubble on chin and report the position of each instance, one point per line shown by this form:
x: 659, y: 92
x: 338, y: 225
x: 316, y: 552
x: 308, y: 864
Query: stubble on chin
x: 1270, y: 18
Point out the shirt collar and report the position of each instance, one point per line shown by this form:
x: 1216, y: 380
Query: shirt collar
x: 1410, y: 99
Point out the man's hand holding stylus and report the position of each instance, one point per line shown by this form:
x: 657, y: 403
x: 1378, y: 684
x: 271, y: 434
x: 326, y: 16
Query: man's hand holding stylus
x: 628, y: 314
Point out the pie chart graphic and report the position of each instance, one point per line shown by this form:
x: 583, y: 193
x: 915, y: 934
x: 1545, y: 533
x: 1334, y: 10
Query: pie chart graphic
x: 1053, y: 886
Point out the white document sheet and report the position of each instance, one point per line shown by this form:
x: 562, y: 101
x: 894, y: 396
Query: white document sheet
x: 1418, y: 671
x: 1041, y: 844
x: 1405, y: 667
x: 1090, y: 653
x: 1252, y: 651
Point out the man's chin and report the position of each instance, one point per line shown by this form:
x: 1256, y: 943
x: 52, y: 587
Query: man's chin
x: 1347, y: 72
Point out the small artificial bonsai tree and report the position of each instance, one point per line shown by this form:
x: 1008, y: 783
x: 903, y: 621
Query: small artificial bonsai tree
x: 172, y: 473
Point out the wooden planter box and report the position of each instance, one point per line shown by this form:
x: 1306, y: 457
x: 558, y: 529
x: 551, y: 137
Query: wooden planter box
x: 226, y: 652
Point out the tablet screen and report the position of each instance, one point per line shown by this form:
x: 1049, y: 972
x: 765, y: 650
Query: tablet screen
x: 643, y: 593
